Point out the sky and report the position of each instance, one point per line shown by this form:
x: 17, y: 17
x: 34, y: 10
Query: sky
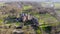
x: 33, y: 0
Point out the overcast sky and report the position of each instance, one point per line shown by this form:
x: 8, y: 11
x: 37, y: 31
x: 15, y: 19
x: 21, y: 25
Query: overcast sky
x: 32, y: 0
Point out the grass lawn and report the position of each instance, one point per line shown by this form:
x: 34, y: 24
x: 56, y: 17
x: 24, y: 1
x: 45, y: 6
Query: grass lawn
x: 57, y: 5
x: 2, y: 4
